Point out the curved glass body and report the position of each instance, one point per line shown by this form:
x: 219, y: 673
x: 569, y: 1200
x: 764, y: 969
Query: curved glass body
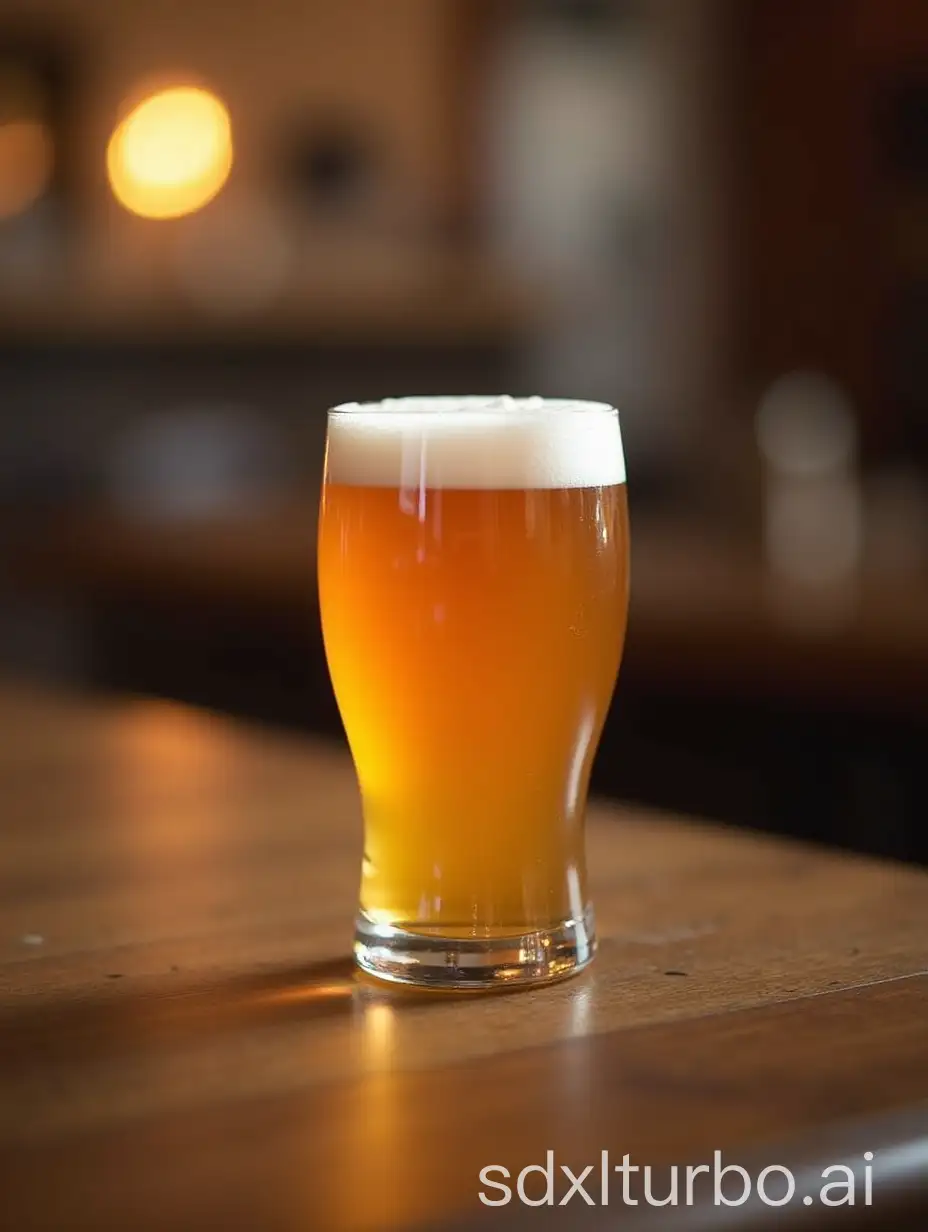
x: 473, y: 580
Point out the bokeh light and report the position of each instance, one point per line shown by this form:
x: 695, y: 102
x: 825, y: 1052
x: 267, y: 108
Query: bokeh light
x: 171, y: 154
x: 26, y: 163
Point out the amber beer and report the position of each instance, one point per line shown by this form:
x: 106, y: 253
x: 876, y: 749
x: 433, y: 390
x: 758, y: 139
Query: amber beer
x: 473, y: 579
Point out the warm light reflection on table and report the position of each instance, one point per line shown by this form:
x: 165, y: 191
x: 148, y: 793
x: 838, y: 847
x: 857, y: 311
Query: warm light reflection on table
x: 378, y: 1177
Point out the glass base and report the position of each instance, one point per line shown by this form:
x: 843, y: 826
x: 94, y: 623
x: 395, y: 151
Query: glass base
x: 472, y: 964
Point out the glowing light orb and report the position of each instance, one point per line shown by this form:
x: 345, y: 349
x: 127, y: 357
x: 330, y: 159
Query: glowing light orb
x: 171, y: 154
x: 26, y: 161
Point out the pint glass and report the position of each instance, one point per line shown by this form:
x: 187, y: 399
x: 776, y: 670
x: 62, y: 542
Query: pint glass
x: 473, y: 583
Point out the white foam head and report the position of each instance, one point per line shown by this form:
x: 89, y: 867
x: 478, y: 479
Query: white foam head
x: 473, y: 442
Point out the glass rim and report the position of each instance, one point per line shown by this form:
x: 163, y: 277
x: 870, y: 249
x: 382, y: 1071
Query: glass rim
x: 453, y: 404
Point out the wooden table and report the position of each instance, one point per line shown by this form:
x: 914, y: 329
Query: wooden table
x: 184, y: 1043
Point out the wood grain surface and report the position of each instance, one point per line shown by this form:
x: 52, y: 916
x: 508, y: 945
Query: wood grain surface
x: 184, y: 1042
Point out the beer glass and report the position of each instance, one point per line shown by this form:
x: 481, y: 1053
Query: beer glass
x: 473, y: 584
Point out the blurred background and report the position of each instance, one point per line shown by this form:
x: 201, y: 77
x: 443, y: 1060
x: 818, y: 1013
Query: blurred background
x: 218, y: 219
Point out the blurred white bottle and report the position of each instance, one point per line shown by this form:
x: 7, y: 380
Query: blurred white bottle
x: 577, y: 183
x: 812, y: 515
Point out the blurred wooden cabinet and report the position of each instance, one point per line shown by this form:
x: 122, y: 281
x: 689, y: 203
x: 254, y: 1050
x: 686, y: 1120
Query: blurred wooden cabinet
x: 830, y: 107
